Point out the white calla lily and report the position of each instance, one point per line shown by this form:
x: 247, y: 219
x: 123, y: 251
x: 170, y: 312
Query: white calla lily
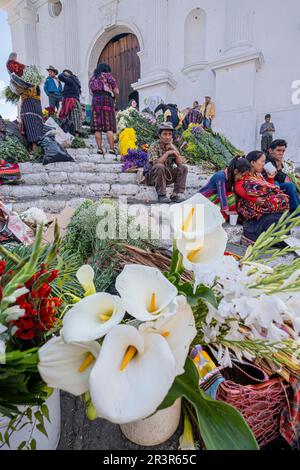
x: 132, y: 375
x: 18, y: 293
x: 146, y: 293
x: 203, y: 256
x: 67, y: 366
x: 85, y: 276
x: 92, y: 317
x: 2, y: 352
x: 178, y: 330
x: 195, y: 217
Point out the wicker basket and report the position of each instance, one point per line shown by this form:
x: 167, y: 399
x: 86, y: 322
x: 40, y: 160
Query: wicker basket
x: 259, y: 399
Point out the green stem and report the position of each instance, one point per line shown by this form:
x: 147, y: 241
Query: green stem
x: 174, y: 258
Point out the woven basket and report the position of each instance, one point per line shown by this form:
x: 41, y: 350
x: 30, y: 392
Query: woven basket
x: 259, y: 399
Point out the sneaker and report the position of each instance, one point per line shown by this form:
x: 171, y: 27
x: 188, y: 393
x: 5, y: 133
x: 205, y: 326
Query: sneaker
x: 163, y: 199
x: 178, y: 198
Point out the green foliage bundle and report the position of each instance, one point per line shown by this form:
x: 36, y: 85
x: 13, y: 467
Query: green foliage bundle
x: 78, y: 143
x: 13, y: 151
x: 207, y: 146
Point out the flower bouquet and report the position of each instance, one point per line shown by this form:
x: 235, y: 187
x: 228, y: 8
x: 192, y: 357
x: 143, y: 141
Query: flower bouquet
x: 144, y: 125
x: 133, y: 160
x: 33, y: 76
x: 34, y: 285
x: 127, y: 141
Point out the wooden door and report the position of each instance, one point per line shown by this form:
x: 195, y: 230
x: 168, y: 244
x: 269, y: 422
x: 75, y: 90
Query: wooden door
x: 121, y: 54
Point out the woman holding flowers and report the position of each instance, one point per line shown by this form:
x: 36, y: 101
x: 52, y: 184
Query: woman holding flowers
x: 103, y: 86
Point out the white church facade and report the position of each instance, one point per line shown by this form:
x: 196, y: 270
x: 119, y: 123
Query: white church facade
x: 243, y: 53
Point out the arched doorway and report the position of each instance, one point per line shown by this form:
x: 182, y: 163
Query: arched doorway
x: 121, y: 54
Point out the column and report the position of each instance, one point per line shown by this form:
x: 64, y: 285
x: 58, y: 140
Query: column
x: 29, y: 20
x: 239, y: 24
x: 159, y: 15
x: 71, y: 35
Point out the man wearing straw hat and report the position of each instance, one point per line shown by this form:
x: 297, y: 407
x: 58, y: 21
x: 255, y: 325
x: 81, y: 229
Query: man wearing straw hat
x: 208, y: 111
x: 53, y: 88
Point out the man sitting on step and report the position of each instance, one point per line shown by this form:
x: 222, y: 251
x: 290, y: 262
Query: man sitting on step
x: 166, y: 166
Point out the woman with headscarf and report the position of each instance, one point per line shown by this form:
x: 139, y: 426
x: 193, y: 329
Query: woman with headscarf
x: 104, y: 88
x: 71, y: 112
x: 13, y: 66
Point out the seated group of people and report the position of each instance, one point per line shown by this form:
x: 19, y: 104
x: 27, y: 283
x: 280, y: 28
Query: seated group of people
x: 245, y: 187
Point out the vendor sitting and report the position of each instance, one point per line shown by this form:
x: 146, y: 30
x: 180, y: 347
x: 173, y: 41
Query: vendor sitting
x: 166, y: 166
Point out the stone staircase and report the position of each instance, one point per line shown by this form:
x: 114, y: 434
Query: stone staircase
x: 92, y: 176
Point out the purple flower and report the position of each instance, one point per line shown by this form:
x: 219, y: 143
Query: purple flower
x: 134, y: 159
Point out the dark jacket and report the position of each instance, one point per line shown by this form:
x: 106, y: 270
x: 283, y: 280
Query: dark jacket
x: 72, y: 88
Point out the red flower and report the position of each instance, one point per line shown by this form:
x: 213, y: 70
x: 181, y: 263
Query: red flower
x: 44, y: 291
x: 53, y: 276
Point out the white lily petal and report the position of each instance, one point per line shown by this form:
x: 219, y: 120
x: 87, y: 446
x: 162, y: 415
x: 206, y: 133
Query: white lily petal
x: 85, y: 276
x: 178, y: 330
x: 136, y: 284
x: 60, y: 363
x: 136, y: 392
x: 84, y: 321
x: 197, y: 258
x: 212, y: 217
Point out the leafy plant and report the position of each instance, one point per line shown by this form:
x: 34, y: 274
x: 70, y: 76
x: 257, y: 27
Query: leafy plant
x: 13, y: 151
x: 10, y: 96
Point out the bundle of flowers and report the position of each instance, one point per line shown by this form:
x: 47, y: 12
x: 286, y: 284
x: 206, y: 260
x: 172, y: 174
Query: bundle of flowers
x: 144, y: 125
x: 293, y: 173
x: 127, y: 141
x: 134, y: 159
x: 31, y: 302
x: 33, y: 76
x: 201, y: 145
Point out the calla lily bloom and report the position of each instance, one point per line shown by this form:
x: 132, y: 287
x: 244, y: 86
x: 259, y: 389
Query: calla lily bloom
x: 146, y: 293
x: 85, y: 276
x: 92, y: 317
x: 132, y: 375
x: 203, y: 255
x: 195, y: 218
x: 67, y: 366
x: 178, y: 330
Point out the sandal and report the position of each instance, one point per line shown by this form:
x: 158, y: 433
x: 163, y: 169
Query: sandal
x: 100, y: 151
x: 112, y: 152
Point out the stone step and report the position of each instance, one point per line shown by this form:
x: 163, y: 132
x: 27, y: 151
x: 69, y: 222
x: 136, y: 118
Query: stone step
x: 84, y: 189
x: 84, y: 178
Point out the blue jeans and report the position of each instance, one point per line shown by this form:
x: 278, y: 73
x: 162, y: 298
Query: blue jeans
x: 291, y: 190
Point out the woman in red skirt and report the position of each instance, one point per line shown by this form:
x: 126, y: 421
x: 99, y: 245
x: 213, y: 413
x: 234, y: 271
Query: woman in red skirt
x: 104, y: 88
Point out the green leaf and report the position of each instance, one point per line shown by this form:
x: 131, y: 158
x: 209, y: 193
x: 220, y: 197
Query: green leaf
x: 45, y: 411
x: 1, y: 437
x: 221, y: 426
x: 42, y: 429
x: 33, y: 444
x: 202, y: 292
x: 38, y: 415
x: 29, y: 413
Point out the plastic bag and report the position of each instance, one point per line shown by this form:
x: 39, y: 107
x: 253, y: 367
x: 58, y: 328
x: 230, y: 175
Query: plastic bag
x: 63, y: 138
x: 53, y: 151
